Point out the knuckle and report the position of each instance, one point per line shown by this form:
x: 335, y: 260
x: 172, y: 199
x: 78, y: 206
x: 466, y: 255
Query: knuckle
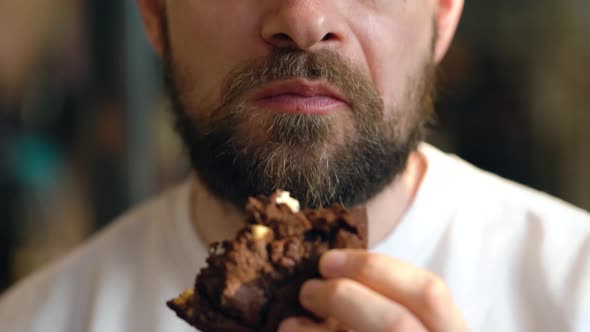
x: 337, y: 289
x: 434, y: 291
x: 400, y: 323
x: 367, y: 266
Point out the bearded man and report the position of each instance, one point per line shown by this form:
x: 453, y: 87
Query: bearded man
x: 327, y: 99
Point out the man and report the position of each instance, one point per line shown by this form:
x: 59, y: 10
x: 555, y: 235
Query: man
x: 327, y: 99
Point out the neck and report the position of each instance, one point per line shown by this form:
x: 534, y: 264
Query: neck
x: 215, y: 220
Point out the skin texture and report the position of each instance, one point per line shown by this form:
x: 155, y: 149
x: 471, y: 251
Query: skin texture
x: 241, y: 147
x: 389, y: 41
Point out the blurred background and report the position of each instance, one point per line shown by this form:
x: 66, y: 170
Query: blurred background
x: 85, y: 131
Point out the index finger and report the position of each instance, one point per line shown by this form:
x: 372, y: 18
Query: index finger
x: 420, y: 291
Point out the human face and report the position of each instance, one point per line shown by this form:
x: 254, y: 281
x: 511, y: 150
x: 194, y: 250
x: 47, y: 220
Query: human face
x: 322, y: 98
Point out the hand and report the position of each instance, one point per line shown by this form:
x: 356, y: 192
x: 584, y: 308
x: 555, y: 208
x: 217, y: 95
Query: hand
x: 368, y: 292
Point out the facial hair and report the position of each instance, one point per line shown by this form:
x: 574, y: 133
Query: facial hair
x: 344, y: 157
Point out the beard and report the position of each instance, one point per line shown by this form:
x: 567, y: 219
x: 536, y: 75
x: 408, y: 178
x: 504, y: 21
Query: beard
x: 347, y: 156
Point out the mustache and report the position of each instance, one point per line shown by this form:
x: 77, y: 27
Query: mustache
x: 281, y: 64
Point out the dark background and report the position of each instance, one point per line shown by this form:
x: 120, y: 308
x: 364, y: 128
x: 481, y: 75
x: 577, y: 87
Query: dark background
x: 85, y: 132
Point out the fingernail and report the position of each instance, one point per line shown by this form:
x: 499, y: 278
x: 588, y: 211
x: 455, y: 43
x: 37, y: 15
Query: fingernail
x: 332, y: 263
x: 290, y: 325
x: 309, y: 291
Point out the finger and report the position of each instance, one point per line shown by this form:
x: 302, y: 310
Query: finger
x: 422, y: 292
x: 302, y: 325
x: 356, y: 306
x: 334, y: 325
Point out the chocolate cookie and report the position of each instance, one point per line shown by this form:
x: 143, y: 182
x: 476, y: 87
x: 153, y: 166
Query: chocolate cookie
x: 252, y: 283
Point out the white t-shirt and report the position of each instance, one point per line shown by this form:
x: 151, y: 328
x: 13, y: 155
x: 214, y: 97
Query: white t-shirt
x: 515, y: 260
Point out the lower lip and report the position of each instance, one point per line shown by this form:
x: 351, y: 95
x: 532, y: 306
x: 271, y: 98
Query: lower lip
x: 300, y: 104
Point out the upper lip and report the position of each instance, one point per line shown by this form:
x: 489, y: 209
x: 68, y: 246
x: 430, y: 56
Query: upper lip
x: 300, y: 87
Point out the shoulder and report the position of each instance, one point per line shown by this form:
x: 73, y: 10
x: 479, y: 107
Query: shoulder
x: 63, y: 288
x: 528, y: 250
x: 486, y: 195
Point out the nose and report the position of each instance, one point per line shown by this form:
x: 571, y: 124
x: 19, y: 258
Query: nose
x: 302, y: 24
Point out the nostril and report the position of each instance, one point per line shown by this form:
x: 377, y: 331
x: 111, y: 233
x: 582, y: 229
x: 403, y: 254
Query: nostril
x: 283, y: 40
x: 282, y: 37
x: 329, y: 36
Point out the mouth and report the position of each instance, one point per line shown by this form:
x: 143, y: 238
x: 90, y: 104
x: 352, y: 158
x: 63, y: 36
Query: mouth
x: 299, y: 96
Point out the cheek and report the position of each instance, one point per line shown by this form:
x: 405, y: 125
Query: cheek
x: 396, y: 48
x: 208, y: 39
